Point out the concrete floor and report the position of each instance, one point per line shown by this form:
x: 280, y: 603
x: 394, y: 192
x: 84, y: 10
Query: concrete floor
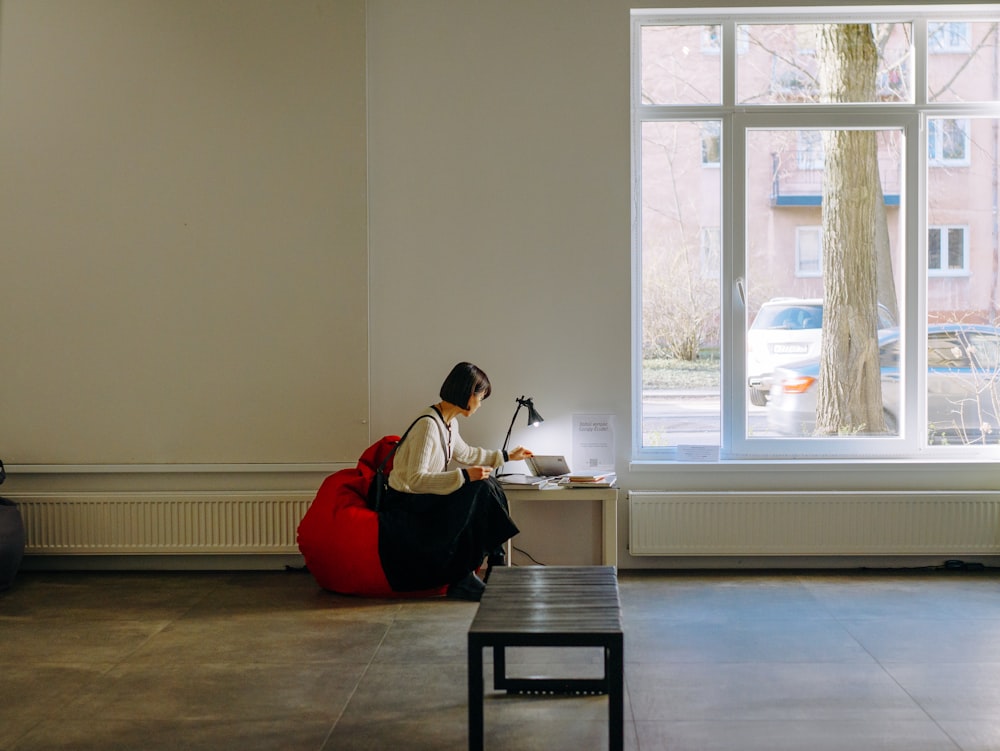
x: 796, y: 661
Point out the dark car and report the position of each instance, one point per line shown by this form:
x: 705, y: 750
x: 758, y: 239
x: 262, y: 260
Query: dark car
x: 963, y: 386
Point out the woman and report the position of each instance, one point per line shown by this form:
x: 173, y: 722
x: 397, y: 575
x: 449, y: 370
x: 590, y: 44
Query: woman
x: 437, y: 524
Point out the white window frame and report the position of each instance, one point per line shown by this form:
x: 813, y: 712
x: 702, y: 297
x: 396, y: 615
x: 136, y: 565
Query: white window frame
x: 935, y: 143
x: 943, y: 231
x: 912, y: 118
x: 816, y: 232
x: 711, y: 130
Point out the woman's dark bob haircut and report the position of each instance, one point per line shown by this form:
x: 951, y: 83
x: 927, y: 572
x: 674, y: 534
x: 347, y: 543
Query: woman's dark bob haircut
x: 464, y: 380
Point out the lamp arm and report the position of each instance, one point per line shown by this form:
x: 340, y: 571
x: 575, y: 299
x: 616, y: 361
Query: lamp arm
x: 520, y: 403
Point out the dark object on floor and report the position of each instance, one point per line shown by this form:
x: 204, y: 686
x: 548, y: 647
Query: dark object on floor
x: 11, y: 542
x: 470, y: 588
x: 496, y: 559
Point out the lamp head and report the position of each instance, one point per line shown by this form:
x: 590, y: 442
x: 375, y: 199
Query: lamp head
x: 534, y: 419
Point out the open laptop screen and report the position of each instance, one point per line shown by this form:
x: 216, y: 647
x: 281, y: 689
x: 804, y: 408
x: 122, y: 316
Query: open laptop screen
x: 548, y: 466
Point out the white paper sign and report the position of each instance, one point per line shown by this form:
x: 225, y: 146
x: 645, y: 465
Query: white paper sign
x: 593, y: 443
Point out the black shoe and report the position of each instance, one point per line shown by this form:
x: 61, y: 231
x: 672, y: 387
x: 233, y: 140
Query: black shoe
x: 497, y: 558
x: 470, y: 588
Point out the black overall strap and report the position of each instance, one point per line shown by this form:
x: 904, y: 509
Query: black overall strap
x: 389, y: 456
x: 445, y: 439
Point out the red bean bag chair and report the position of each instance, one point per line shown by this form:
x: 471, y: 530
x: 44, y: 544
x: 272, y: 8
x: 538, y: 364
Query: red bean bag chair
x: 338, y: 536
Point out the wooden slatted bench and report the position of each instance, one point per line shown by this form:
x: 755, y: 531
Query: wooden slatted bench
x: 549, y: 606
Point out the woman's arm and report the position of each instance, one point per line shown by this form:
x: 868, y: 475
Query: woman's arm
x: 485, y: 457
x: 471, y: 456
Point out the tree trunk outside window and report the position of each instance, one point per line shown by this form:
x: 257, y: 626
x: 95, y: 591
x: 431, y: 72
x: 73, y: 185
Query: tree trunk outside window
x: 850, y: 389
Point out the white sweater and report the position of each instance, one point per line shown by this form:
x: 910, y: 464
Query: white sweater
x: 419, y: 463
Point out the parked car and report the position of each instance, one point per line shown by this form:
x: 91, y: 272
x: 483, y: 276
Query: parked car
x: 785, y: 330
x: 963, y: 386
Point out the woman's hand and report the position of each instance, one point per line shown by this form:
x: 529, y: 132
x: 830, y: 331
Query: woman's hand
x: 478, y: 473
x: 519, y: 452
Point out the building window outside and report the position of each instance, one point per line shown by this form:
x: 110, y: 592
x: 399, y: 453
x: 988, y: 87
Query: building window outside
x: 710, y: 144
x: 947, y: 37
x: 809, y: 154
x: 765, y: 208
x: 947, y: 251
x: 808, y: 252
x: 948, y: 142
x: 711, y: 39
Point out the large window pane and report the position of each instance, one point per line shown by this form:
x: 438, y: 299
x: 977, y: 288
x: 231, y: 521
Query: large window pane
x: 782, y: 65
x: 963, y: 292
x: 681, y: 65
x: 962, y: 61
x: 681, y: 236
x: 788, y: 313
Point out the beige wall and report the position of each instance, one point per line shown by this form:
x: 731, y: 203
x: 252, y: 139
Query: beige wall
x: 499, y: 187
x: 183, y: 232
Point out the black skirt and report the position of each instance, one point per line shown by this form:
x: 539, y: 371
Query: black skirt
x: 427, y: 541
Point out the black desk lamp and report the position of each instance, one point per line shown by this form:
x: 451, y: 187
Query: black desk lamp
x: 534, y: 419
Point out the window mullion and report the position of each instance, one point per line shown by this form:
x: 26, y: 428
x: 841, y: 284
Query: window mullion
x: 729, y: 62
x: 733, y: 287
x: 914, y: 299
x: 920, y: 61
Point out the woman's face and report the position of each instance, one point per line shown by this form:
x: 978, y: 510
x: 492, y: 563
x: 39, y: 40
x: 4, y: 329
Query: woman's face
x: 474, y: 402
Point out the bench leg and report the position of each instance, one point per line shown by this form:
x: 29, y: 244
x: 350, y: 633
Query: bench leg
x: 499, y: 667
x: 614, y: 668
x: 475, y: 697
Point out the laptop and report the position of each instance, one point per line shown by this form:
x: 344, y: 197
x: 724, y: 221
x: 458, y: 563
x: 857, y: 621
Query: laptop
x: 545, y: 470
x: 548, y: 467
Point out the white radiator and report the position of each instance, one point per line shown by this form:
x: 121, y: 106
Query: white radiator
x: 814, y: 523
x: 162, y: 523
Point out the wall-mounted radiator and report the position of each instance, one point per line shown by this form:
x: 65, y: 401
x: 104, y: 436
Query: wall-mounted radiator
x: 814, y: 523
x: 162, y: 523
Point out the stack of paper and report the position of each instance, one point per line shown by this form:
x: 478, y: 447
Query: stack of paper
x: 601, y: 480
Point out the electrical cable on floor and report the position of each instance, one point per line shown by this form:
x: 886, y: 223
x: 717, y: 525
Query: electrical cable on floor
x: 527, y: 555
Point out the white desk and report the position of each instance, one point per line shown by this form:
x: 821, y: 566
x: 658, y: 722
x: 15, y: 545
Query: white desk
x: 608, y: 498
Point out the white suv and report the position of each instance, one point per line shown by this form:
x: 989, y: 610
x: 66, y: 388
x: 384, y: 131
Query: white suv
x: 787, y: 329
